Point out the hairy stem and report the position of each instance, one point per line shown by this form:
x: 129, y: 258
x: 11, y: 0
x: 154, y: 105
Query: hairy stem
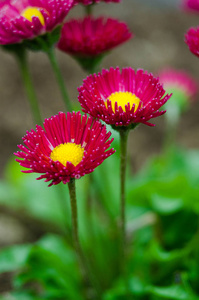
x: 86, y: 272
x: 59, y: 78
x: 123, y: 159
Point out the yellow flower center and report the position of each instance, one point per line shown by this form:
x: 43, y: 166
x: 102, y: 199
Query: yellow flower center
x: 122, y: 99
x: 31, y: 12
x: 68, y: 152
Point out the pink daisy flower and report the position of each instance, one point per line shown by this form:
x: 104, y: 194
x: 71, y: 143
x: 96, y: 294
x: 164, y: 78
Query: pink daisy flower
x: 87, y: 2
x: 192, y: 5
x: 192, y: 40
x: 91, y: 37
x: 179, y: 81
x: 122, y: 98
x: 68, y: 147
x: 26, y: 19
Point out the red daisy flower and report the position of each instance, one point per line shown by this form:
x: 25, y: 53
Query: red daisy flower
x: 192, y: 40
x: 122, y: 98
x: 91, y: 37
x: 26, y: 19
x: 67, y: 147
x: 192, y: 5
x: 179, y: 81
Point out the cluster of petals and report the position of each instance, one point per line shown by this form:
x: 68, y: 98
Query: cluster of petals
x: 60, y: 129
x: 88, y: 2
x: 91, y: 37
x: 173, y: 79
x: 192, y: 40
x: 190, y: 5
x: 14, y: 27
x: 97, y: 88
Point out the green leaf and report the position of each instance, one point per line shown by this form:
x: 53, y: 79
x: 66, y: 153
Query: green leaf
x: 122, y: 290
x: 166, y: 205
x: 52, y: 266
x: 168, y: 183
x: 24, y: 192
x: 8, y: 193
x: 106, y: 184
x: 13, y: 258
x: 23, y: 295
x: 175, y: 292
x: 58, y: 246
x: 159, y: 254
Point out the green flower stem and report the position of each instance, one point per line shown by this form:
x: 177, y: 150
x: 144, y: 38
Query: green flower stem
x: 25, y: 73
x: 88, y: 9
x: 169, y: 137
x: 51, y: 55
x: 123, y: 157
x: 73, y: 202
x: 87, y: 274
x: 172, y: 117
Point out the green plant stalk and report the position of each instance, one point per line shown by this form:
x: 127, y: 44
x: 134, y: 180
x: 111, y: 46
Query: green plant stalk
x: 87, y: 274
x: 31, y: 95
x: 169, y: 137
x: 73, y: 202
x: 88, y: 9
x: 123, y: 158
x: 172, y: 118
x: 52, y: 58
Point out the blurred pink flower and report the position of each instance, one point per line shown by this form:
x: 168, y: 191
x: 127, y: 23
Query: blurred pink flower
x: 122, y: 98
x: 91, y: 37
x: 192, y: 40
x: 26, y: 19
x: 190, y: 5
x: 178, y: 80
x: 68, y: 147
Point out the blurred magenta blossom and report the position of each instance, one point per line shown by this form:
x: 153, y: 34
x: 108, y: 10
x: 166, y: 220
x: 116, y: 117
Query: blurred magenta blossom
x: 27, y: 19
x: 192, y: 40
x: 190, y: 5
x: 92, y: 36
x: 179, y: 80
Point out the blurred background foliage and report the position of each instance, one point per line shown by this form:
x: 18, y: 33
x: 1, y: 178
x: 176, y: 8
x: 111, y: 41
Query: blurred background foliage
x: 162, y: 230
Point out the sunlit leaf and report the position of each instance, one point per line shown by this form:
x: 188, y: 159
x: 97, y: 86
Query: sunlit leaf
x: 14, y: 257
x: 175, y: 292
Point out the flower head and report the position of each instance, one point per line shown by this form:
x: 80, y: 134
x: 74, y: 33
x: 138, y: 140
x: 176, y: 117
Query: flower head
x: 192, y: 5
x: 192, y: 40
x: 67, y: 147
x: 27, y: 19
x: 178, y: 81
x: 91, y: 37
x: 122, y: 98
